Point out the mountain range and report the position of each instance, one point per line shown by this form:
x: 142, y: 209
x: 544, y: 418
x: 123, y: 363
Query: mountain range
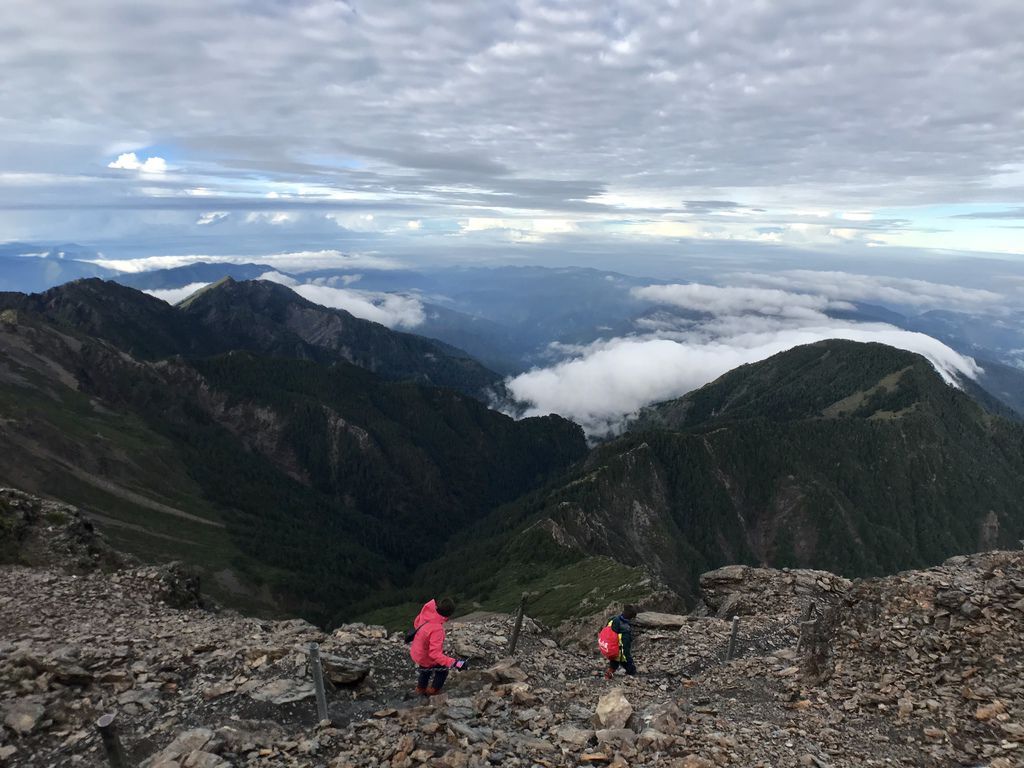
x: 257, y: 450
x: 313, y: 463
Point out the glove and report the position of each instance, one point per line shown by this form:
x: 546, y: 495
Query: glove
x: 460, y: 664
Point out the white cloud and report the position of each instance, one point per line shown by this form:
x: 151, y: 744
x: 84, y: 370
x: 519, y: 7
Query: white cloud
x: 611, y: 380
x: 174, y: 295
x: 276, y: 218
x: 128, y: 161
x: 277, y: 277
x: 211, y: 217
x: 853, y: 287
x: 293, y: 261
x: 719, y: 300
x: 390, y: 309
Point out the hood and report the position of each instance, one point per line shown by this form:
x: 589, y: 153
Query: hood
x: 429, y: 613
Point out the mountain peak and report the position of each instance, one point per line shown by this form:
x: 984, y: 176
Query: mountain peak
x: 827, y: 379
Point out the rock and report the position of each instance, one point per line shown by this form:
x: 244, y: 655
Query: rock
x: 987, y: 712
x: 218, y: 690
x: 183, y: 746
x: 7, y: 752
x: 655, y: 740
x: 578, y: 737
x: 505, y: 672
x: 619, y: 738
x: 23, y: 715
x: 177, y: 586
x: 284, y: 691
x: 655, y: 620
x: 693, y: 761
x: 342, y: 671
x: 613, y: 709
x: 199, y: 759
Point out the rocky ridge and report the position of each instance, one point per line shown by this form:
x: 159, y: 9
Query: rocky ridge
x: 921, y: 668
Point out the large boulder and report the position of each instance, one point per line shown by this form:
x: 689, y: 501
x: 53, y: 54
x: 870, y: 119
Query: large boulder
x: 342, y: 671
x: 656, y: 620
x: 741, y: 590
x: 613, y: 710
x: 23, y: 715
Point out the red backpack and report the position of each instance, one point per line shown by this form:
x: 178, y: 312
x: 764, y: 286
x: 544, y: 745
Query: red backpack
x: 608, y: 642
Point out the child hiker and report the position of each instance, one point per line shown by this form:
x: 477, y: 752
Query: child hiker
x: 428, y: 647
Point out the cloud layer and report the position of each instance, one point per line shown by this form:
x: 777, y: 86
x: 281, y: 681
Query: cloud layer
x: 609, y: 381
x: 720, y: 328
x: 514, y: 121
x: 390, y: 309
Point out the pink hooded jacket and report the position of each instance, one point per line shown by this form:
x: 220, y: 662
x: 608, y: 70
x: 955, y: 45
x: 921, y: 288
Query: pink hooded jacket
x: 428, y: 646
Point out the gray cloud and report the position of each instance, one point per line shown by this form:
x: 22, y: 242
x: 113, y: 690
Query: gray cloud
x: 722, y: 95
x: 530, y: 108
x: 1008, y: 213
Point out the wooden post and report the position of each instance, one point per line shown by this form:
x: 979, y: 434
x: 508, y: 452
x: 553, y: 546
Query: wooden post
x: 808, y: 621
x: 732, y: 638
x: 318, y: 681
x: 519, y: 625
x: 111, y: 743
x: 806, y: 627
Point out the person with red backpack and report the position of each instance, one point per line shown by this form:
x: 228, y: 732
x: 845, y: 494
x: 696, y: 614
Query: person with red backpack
x: 616, y: 642
x: 427, y: 638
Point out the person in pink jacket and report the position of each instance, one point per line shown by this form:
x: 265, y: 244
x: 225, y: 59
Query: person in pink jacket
x: 427, y: 648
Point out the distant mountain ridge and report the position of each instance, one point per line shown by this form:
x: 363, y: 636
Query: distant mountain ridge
x: 258, y: 316
x: 298, y: 485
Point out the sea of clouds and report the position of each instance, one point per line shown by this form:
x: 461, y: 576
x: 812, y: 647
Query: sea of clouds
x: 703, y: 331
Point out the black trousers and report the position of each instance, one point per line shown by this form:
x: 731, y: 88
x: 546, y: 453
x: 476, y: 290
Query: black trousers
x: 439, y: 674
x: 628, y: 665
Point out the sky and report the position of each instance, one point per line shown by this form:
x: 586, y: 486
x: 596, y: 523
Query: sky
x: 630, y: 135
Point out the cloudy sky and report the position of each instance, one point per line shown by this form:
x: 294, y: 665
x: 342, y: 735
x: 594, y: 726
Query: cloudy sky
x: 615, y: 134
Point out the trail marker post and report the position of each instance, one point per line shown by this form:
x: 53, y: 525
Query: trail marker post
x: 318, y: 681
x: 732, y: 638
x: 519, y: 624
x: 111, y: 743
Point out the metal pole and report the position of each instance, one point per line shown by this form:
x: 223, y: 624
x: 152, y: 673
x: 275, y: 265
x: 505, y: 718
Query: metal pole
x: 111, y: 742
x: 518, y: 626
x: 732, y: 638
x: 318, y: 681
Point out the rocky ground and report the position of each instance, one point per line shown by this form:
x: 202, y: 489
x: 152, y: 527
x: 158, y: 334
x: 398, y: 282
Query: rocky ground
x: 923, y: 668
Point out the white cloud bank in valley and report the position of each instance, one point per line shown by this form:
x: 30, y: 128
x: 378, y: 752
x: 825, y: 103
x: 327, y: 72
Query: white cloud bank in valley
x: 604, y: 383
x: 610, y: 380
x: 174, y: 295
x: 390, y: 309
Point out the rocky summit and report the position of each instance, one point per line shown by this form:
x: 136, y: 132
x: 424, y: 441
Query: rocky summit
x: 924, y: 668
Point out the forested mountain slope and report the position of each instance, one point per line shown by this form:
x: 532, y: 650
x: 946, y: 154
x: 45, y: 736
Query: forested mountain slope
x: 851, y: 457
x: 290, y: 481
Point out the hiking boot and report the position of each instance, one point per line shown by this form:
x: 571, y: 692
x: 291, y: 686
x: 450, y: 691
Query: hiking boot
x: 609, y: 673
x: 420, y: 691
x: 431, y: 692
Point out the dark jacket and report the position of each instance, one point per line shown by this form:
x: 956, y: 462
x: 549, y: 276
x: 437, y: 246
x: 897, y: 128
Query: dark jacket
x: 622, y: 627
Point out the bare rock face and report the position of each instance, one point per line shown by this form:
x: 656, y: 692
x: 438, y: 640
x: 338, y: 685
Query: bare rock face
x: 36, y: 531
x: 740, y: 590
